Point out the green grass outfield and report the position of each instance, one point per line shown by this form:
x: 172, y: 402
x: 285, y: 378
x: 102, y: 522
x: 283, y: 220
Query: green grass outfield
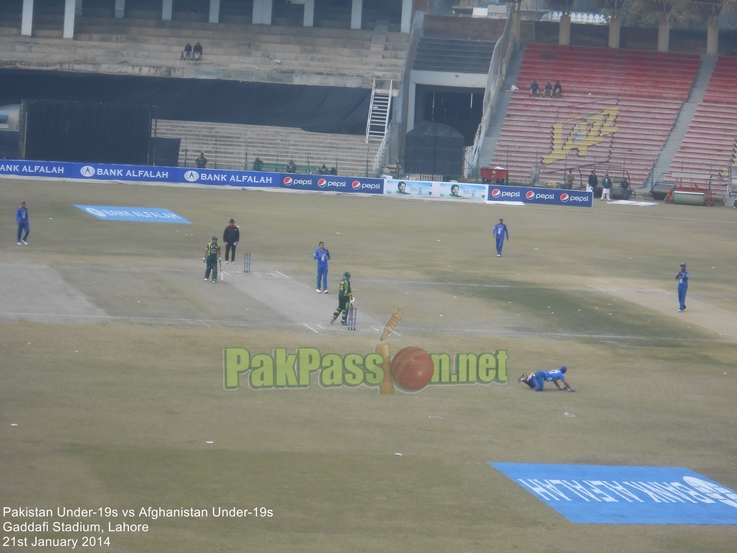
x: 112, y: 368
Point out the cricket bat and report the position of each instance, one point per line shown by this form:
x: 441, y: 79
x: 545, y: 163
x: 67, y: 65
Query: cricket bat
x: 220, y: 270
x: 391, y: 324
x: 387, y: 385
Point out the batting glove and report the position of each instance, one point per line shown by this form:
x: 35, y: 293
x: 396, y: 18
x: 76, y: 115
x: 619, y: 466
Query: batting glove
x: 203, y: 260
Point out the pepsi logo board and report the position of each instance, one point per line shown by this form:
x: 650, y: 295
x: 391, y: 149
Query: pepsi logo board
x: 333, y: 183
x: 501, y: 193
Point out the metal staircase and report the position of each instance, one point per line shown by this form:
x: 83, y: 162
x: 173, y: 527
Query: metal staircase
x: 379, y: 111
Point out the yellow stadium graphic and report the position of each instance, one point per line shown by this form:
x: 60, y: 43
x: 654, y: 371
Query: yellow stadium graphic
x: 726, y: 171
x: 587, y: 131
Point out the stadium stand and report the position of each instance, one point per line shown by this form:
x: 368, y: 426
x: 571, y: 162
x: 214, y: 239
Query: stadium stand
x: 453, y: 55
x: 617, y: 109
x: 710, y: 144
x: 290, y: 55
x: 330, y: 54
x: 236, y: 146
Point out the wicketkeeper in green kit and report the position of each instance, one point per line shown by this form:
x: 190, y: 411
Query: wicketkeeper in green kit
x: 212, y: 256
x: 344, y: 299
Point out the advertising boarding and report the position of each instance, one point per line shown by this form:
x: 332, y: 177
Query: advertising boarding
x: 136, y: 173
x: 428, y: 189
x: 600, y: 494
x: 550, y: 196
x: 331, y: 183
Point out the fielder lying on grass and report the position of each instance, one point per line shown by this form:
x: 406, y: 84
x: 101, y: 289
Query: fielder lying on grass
x: 556, y: 376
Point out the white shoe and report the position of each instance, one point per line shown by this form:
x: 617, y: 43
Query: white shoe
x: 498, y: 255
x: 317, y: 290
x: 326, y: 291
x: 205, y: 278
x: 19, y: 245
x: 25, y: 243
x: 226, y: 261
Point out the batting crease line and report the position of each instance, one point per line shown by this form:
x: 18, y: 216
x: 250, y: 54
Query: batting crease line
x: 312, y: 329
x: 418, y: 329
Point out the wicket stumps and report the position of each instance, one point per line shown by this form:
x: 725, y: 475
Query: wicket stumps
x: 246, y: 262
x: 352, y: 316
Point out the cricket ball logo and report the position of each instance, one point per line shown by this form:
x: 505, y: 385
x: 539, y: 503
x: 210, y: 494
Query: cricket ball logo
x: 356, y: 185
x: 530, y: 195
x: 410, y: 370
x: 564, y: 197
x: 287, y: 181
x: 322, y: 183
x: 496, y: 193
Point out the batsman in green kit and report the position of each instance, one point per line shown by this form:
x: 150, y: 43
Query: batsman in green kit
x: 212, y: 256
x: 344, y: 299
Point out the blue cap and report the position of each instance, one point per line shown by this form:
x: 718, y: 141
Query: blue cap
x: 563, y: 369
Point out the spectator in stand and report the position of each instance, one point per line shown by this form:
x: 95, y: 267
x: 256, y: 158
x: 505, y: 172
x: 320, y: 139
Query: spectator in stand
x: 593, y: 182
x: 534, y: 89
x: 201, y: 162
x: 197, y: 52
x: 569, y: 179
x: 258, y: 165
x: 323, y: 170
x: 548, y: 90
x: 606, y: 187
x: 333, y: 171
x: 557, y: 90
x: 187, y: 52
x: 290, y: 167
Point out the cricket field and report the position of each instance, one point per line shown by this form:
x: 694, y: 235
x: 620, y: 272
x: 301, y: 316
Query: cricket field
x: 113, y: 402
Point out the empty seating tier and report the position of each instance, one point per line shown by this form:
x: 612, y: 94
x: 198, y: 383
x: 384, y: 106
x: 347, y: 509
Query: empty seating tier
x: 261, y: 53
x: 616, y: 112
x: 453, y: 55
x: 710, y: 144
x: 229, y: 146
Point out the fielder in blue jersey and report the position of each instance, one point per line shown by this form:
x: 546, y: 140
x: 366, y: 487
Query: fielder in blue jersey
x: 322, y: 254
x: 537, y: 380
x: 682, y: 278
x: 21, y: 217
x: 499, y: 232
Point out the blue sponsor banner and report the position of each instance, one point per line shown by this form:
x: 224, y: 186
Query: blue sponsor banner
x: 332, y: 183
x: 550, y: 196
x: 217, y: 177
x: 137, y: 173
x: 592, y: 494
x: 140, y: 214
x: 226, y: 177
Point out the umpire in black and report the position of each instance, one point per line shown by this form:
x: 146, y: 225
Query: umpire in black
x: 231, y: 236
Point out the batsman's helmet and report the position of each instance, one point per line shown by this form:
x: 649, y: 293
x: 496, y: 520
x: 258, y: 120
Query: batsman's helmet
x: 683, y: 264
x: 214, y: 238
x: 346, y: 275
x: 563, y: 369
